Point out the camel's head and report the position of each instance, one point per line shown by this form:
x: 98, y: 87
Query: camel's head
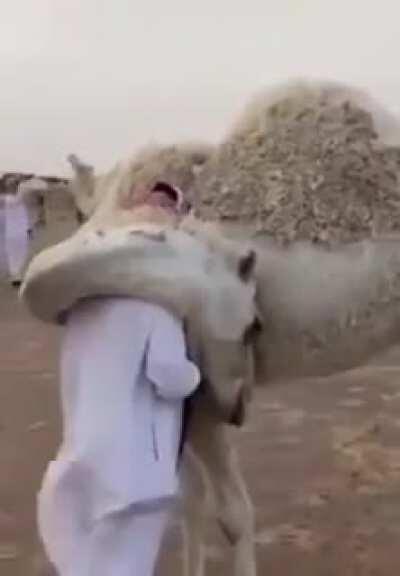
x: 225, y: 329
x: 107, y: 200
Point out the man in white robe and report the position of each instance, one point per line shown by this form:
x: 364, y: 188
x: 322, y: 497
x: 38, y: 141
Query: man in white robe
x: 16, y: 237
x: 31, y: 192
x: 3, y: 258
x: 105, y: 501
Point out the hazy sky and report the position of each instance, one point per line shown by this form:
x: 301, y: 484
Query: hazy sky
x: 102, y: 77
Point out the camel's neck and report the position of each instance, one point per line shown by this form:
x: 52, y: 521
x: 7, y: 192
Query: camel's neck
x: 327, y: 311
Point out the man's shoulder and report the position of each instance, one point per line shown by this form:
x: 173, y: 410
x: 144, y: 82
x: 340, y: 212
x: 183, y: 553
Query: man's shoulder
x: 122, y: 309
x: 137, y: 306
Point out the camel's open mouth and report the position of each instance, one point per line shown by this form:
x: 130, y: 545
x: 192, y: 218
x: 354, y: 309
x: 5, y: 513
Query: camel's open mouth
x: 173, y: 193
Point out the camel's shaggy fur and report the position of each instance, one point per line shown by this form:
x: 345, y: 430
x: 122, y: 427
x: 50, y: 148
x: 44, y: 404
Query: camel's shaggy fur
x: 307, y: 161
x: 288, y: 99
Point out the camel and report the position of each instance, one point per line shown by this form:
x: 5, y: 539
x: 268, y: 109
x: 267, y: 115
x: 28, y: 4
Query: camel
x: 323, y: 309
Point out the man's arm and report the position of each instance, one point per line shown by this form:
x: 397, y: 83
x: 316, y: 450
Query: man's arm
x: 167, y: 365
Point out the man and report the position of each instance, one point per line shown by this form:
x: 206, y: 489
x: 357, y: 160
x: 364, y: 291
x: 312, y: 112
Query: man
x: 105, y: 500
x: 3, y: 257
x: 16, y: 237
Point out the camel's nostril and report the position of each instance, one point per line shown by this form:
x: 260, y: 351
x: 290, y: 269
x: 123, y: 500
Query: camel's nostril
x: 238, y: 415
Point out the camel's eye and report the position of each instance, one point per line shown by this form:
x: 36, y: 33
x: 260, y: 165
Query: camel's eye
x: 252, y: 331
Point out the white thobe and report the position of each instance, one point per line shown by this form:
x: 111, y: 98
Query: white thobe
x: 3, y: 257
x: 16, y: 235
x: 124, y: 374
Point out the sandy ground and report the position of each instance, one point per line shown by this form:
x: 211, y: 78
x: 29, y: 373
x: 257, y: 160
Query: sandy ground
x: 322, y: 460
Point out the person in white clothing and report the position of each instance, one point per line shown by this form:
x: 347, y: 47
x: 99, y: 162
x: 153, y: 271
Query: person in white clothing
x: 16, y: 237
x: 105, y: 500
x: 3, y: 257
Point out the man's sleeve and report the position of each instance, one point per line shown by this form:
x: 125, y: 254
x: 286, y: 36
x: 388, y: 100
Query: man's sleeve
x: 167, y: 365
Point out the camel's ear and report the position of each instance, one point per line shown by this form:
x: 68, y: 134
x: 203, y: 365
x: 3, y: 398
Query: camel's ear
x: 247, y: 265
x: 82, y: 185
x: 78, y: 166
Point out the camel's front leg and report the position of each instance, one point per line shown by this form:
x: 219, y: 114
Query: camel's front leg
x: 194, y: 559
x: 235, y: 510
x: 196, y: 506
x: 212, y: 443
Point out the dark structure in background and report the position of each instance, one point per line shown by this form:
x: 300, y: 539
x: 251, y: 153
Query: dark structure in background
x: 9, y: 181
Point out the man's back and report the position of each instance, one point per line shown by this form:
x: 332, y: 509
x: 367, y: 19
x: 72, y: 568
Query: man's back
x: 107, y: 336
x: 124, y: 374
